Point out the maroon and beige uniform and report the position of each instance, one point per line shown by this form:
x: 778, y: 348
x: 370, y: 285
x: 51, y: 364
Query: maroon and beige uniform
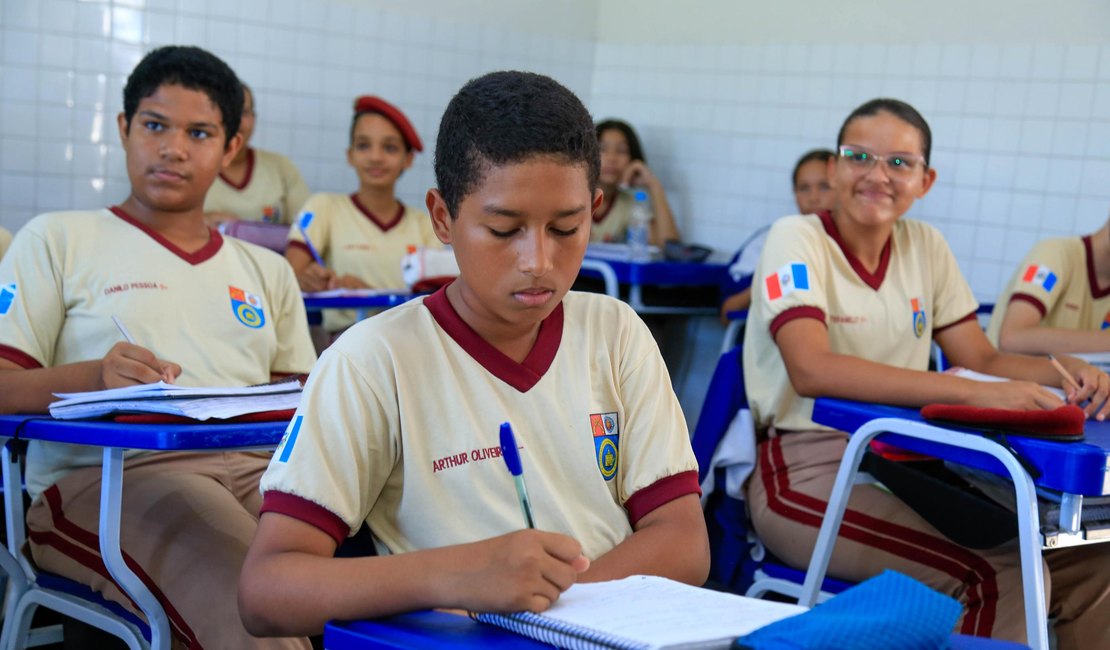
x: 1058, y: 278
x: 5, y: 241
x: 399, y: 427
x: 354, y: 241
x: 273, y: 190
x: 229, y: 314
x: 612, y: 224
x: 887, y: 316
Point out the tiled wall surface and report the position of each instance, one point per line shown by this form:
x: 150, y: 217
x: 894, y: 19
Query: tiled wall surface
x: 1021, y: 133
x: 63, y: 64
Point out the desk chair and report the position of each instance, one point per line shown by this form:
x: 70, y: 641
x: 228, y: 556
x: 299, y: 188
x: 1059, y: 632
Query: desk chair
x: 29, y: 588
x: 268, y: 235
x: 738, y: 560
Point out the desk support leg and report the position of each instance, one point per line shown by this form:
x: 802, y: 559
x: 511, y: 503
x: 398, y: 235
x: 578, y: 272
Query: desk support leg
x: 19, y: 577
x: 1036, y: 618
x: 111, y: 499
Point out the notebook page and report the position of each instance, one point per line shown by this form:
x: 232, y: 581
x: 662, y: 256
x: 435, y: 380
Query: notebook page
x: 664, y: 613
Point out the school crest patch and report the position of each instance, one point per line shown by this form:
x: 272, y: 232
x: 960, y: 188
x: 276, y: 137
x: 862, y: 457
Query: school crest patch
x: 606, y: 430
x: 7, y: 298
x: 247, y: 308
x: 917, y: 305
x: 1105, y: 319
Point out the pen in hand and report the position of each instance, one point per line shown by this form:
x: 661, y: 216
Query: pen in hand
x: 511, y: 455
x: 1068, y: 379
x: 302, y: 225
x: 166, y: 377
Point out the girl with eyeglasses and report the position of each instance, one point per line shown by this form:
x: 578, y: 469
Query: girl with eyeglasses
x: 846, y: 304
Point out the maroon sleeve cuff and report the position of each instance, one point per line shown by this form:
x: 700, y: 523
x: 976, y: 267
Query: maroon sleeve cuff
x: 973, y: 316
x: 19, y: 357
x: 794, y: 313
x: 306, y: 511
x: 296, y: 243
x: 1032, y: 301
x: 663, y: 491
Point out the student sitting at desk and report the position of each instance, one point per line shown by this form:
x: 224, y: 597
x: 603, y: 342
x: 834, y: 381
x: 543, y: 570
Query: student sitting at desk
x: 399, y: 425
x: 623, y: 166
x: 812, y: 193
x: 204, y: 310
x: 256, y: 185
x: 1058, y: 300
x: 363, y: 236
x: 846, y: 305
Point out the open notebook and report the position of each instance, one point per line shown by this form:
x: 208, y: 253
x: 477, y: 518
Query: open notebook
x: 644, y: 613
x: 201, y: 403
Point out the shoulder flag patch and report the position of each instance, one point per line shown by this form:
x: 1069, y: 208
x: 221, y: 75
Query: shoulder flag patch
x: 1042, y: 276
x: 788, y: 279
x: 7, y: 297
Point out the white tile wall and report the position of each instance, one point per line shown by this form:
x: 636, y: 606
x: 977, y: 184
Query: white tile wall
x: 1021, y: 133
x: 63, y: 64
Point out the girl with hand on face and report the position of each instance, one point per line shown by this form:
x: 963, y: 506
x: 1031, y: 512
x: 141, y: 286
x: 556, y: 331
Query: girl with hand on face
x: 846, y: 304
x: 622, y: 167
x: 363, y: 236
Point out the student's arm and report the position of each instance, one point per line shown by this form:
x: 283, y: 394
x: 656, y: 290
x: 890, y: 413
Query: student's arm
x: 735, y: 302
x: 1022, y: 332
x: 669, y: 541
x: 310, y: 275
x: 291, y: 584
x: 31, y: 390
x: 663, y: 227
x: 816, y: 371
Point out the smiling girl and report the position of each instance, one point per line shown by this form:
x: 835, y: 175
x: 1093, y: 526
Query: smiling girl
x: 847, y: 304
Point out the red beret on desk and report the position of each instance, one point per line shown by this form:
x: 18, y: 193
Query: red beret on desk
x: 1064, y: 423
x: 372, y: 104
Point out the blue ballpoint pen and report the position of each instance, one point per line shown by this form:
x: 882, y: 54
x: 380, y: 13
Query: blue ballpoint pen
x: 302, y: 225
x: 511, y: 455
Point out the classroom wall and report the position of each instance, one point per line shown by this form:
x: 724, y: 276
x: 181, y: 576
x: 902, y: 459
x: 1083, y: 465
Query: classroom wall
x: 727, y: 98
x: 63, y: 64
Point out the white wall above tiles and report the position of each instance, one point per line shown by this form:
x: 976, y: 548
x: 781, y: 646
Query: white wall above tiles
x: 726, y: 98
x: 63, y: 64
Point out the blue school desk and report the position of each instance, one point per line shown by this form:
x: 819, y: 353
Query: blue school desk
x: 1071, y: 471
x: 114, y: 438
x: 354, y: 300
x: 431, y: 629
x: 615, y: 270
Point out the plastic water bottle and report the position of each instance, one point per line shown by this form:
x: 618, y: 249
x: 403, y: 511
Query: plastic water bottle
x: 638, y: 228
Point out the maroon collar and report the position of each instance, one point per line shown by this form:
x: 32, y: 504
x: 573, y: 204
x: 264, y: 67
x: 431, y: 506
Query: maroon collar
x: 215, y: 241
x: 1092, y: 277
x: 385, y: 227
x: 873, y: 280
x: 246, y: 179
x: 521, y: 376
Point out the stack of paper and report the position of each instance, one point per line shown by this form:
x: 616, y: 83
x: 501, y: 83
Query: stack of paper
x: 197, y: 403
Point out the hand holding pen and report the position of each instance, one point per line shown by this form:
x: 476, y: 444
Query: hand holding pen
x: 129, y: 363
x: 1092, y: 387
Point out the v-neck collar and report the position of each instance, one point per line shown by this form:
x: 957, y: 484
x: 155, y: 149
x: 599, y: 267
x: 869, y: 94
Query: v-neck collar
x: 873, y: 280
x: 521, y: 376
x: 383, y: 225
x: 204, y: 253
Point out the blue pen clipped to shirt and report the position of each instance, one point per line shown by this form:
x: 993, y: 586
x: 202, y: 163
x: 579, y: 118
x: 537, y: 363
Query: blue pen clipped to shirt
x: 302, y: 225
x: 511, y: 455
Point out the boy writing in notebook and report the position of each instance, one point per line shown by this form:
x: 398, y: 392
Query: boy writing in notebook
x: 203, y: 311
x: 399, y: 427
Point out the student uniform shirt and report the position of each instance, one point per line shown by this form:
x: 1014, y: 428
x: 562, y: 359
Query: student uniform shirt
x: 272, y: 184
x: 1058, y: 278
x: 400, y: 424
x: 228, y: 314
x: 888, y: 317
x: 612, y: 224
x: 354, y: 241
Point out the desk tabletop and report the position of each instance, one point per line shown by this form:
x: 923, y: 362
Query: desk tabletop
x: 334, y: 300
x: 663, y: 273
x: 161, y: 437
x: 1073, y: 467
x: 431, y: 629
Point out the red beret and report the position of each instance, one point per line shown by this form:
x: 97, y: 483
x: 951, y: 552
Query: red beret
x: 372, y: 104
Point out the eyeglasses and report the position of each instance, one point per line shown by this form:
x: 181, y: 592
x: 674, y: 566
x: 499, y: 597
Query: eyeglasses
x: 897, y: 165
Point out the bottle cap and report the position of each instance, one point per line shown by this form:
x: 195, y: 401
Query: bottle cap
x: 641, y: 195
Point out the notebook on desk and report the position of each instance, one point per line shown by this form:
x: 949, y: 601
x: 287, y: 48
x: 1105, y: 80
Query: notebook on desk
x: 197, y: 403
x: 643, y: 613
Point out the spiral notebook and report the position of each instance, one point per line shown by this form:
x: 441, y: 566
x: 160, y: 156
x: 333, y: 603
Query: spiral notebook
x: 643, y: 613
